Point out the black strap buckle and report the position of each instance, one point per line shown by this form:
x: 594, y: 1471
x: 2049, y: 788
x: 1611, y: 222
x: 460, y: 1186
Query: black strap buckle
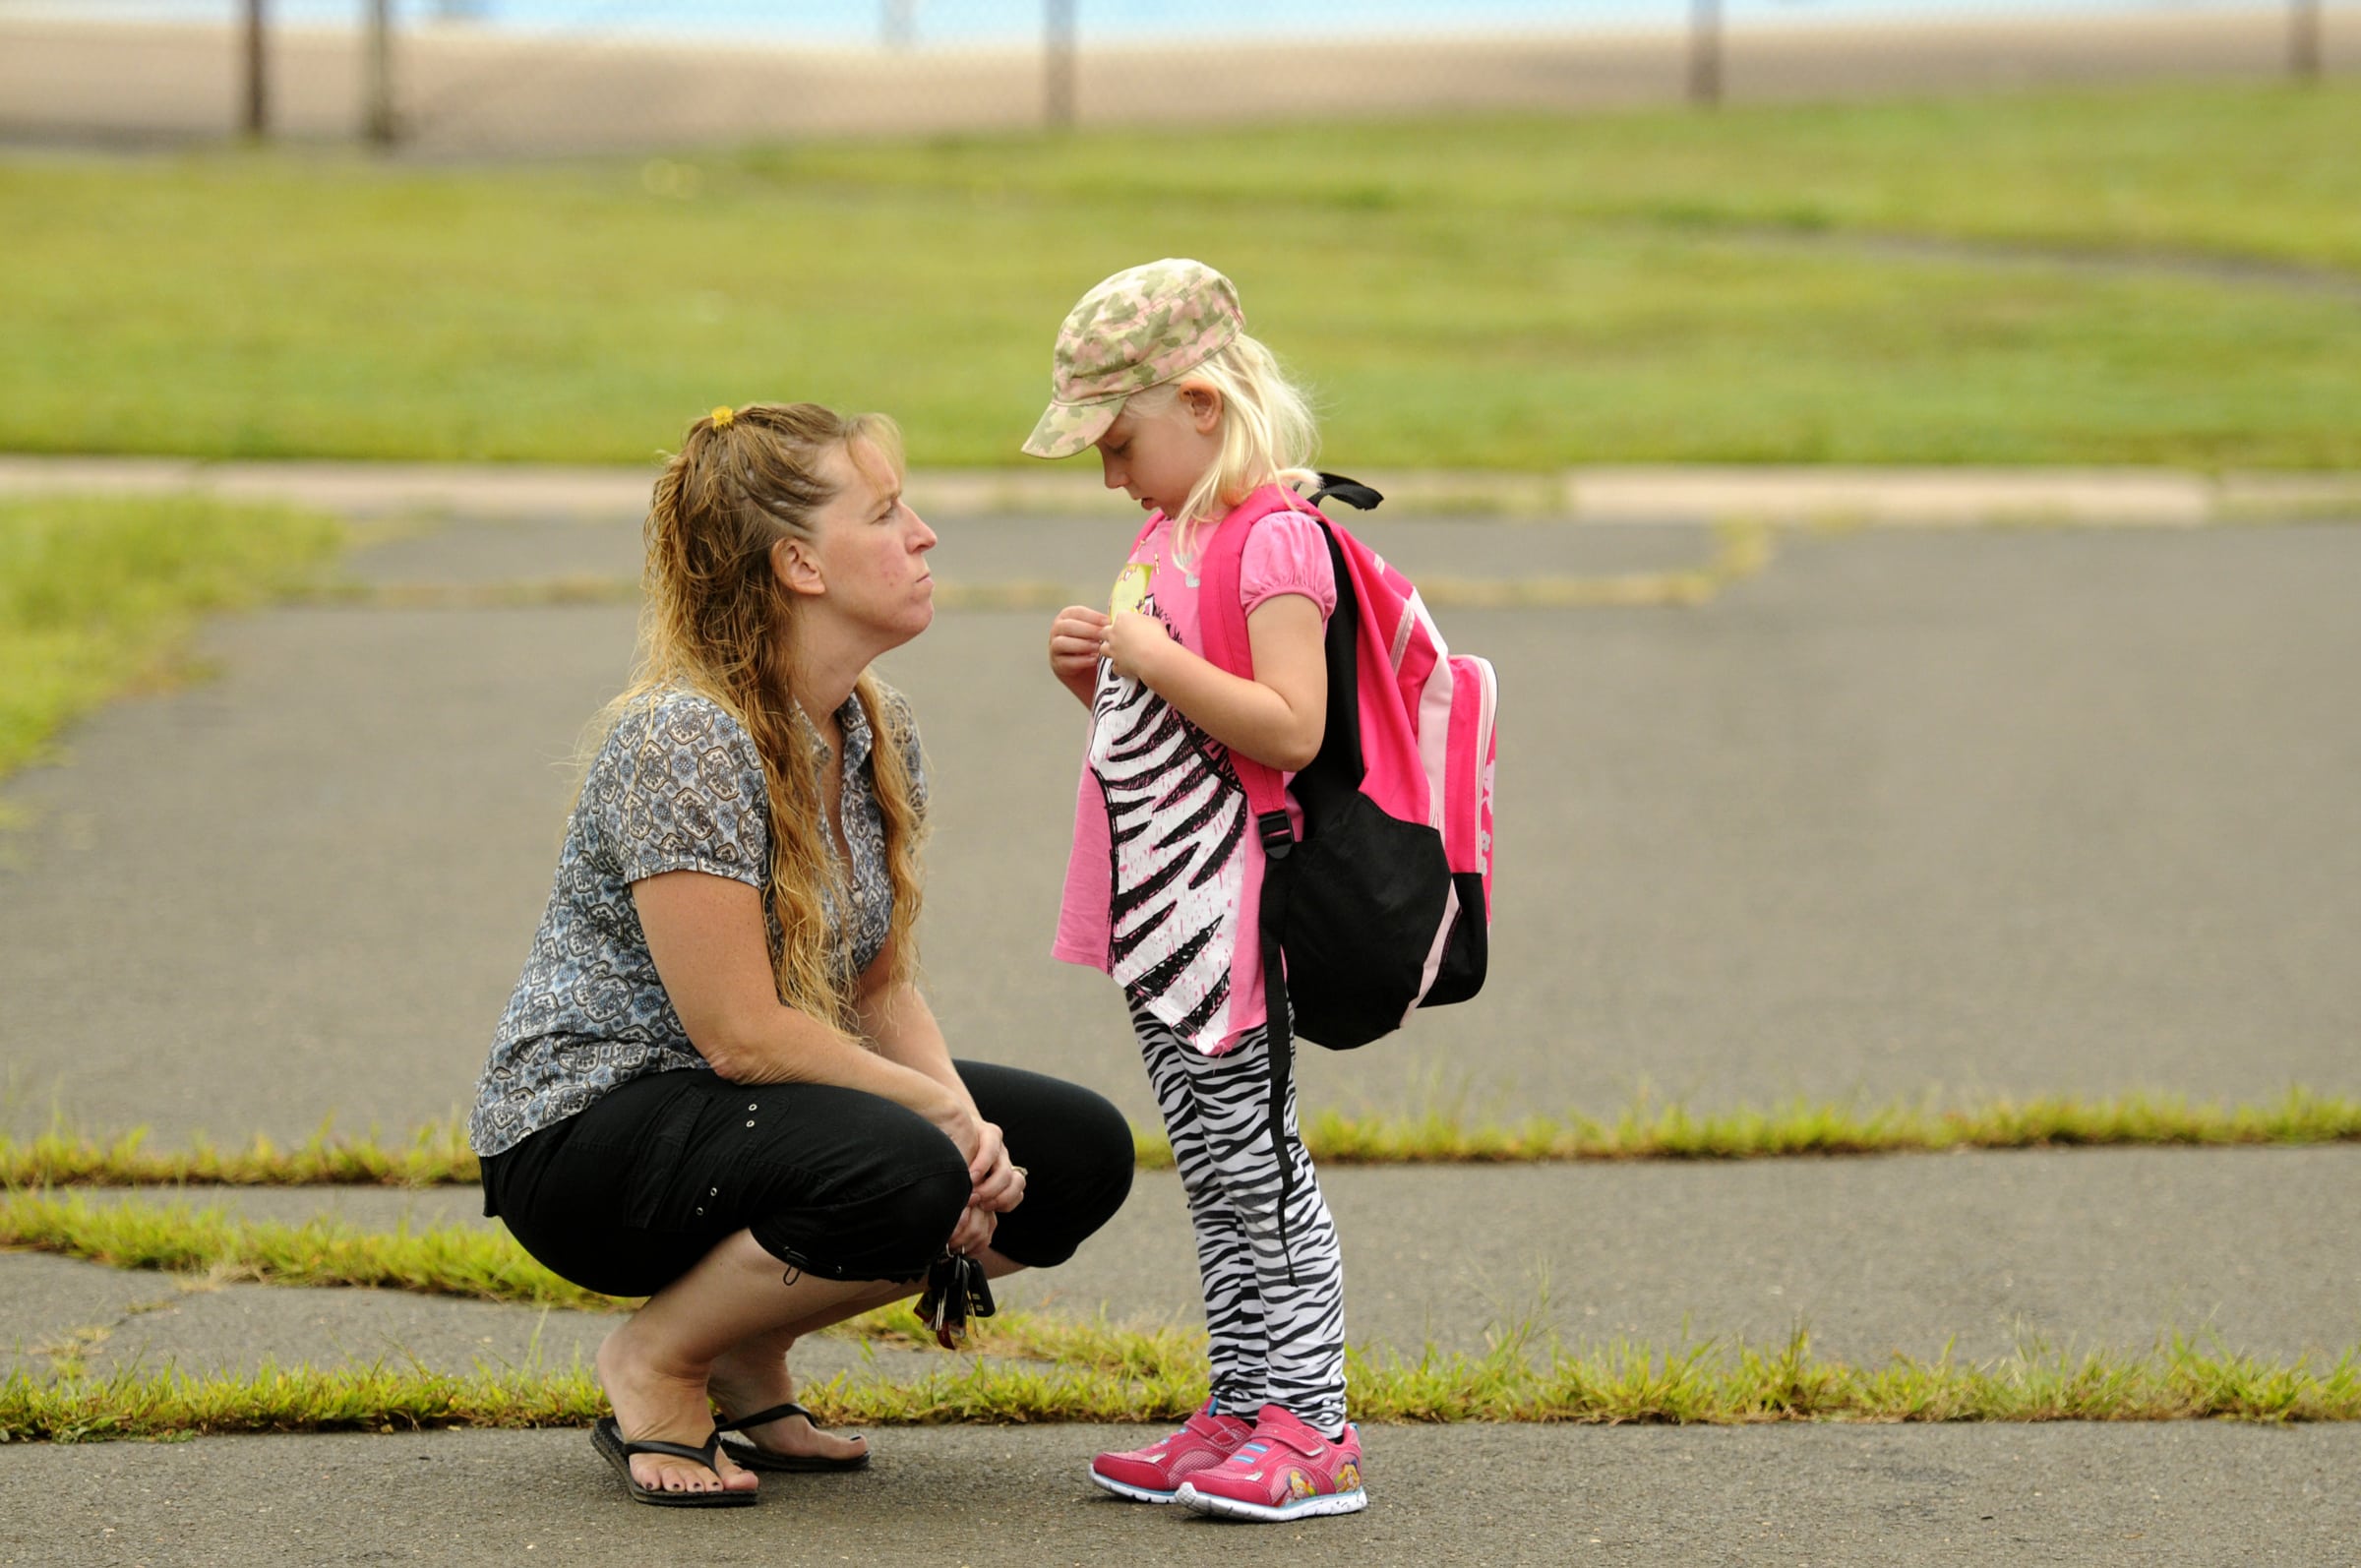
x: 1351, y: 492
x: 1278, y: 834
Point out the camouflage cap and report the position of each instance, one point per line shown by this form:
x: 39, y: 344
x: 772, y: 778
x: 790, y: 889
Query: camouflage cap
x: 1139, y: 329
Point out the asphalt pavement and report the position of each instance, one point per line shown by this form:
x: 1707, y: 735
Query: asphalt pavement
x: 1982, y: 1254
x: 1015, y: 1497
x: 1932, y: 814
x: 1948, y: 812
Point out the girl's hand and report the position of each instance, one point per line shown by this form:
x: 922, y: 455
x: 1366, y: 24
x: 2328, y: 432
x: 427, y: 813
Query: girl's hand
x: 1077, y: 638
x: 1134, y: 642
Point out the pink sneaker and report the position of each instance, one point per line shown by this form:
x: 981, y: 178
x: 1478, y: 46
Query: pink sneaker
x: 1284, y: 1471
x: 1151, y: 1474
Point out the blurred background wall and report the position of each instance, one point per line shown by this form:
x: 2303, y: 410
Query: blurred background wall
x: 494, y: 78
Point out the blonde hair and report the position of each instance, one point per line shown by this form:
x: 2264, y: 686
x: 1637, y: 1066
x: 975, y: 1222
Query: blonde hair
x: 1268, y: 434
x: 718, y: 620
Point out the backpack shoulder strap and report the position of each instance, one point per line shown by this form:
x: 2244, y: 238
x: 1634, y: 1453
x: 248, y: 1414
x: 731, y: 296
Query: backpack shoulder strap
x: 1222, y: 620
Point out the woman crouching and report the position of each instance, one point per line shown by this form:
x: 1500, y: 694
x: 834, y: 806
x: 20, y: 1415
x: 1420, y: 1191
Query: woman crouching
x: 717, y: 1084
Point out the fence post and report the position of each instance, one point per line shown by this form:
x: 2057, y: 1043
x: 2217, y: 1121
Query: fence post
x: 899, y: 26
x: 1058, y: 63
x: 2303, y: 39
x: 1705, y: 51
x: 378, y: 116
x: 257, y: 69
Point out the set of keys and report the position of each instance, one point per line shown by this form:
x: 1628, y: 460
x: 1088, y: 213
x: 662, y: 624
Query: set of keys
x: 955, y: 1291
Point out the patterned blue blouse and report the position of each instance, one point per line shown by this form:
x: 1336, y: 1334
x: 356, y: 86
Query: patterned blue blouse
x: 678, y: 786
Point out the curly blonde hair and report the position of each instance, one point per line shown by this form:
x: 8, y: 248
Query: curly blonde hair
x: 718, y: 620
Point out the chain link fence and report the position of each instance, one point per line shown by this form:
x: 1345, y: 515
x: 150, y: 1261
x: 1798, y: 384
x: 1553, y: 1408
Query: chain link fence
x: 546, y: 77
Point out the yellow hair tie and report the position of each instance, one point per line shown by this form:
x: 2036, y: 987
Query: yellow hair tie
x: 722, y: 416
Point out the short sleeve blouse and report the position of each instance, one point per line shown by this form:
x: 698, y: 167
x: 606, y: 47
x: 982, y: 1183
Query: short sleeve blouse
x: 678, y: 786
x: 1287, y: 552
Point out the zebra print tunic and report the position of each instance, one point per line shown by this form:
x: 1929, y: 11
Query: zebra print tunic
x: 1176, y: 828
x: 1165, y: 883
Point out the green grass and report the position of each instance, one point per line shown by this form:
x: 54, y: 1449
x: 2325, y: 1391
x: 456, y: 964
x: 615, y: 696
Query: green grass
x: 1803, y: 1129
x: 96, y: 595
x: 475, y: 1263
x: 1083, y: 1369
x: 437, y: 1154
x: 1508, y: 292
x: 2241, y: 172
x: 1617, y: 1384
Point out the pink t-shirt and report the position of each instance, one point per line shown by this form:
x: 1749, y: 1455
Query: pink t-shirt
x: 1166, y: 878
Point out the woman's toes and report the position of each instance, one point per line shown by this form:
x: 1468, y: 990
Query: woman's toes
x: 663, y: 1474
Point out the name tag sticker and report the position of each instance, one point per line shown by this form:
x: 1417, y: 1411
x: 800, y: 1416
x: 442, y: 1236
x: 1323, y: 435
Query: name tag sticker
x: 1130, y: 589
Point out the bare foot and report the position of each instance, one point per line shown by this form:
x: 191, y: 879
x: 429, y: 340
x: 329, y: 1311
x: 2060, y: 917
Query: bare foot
x: 755, y: 1377
x: 652, y: 1406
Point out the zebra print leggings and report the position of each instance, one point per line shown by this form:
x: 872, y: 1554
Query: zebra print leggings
x: 1275, y: 1341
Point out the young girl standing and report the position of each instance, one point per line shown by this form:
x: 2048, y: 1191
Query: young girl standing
x: 1192, y: 417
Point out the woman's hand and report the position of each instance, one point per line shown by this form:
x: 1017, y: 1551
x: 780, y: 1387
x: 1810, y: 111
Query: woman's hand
x: 1134, y: 642
x: 1077, y: 639
x: 977, y: 1139
x: 973, y: 1234
x: 994, y: 1183
x: 903, y: 1026
x: 999, y: 1189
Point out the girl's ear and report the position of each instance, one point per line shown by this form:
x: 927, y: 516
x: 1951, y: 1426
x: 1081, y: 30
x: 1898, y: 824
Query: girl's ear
x: 792, y: 564
x: 1201, y: 402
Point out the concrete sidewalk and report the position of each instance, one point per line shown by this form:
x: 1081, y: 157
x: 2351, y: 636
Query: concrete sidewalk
x: 1906, y: 813
x: 2077, y: 1251
x: 1985, y: 1254
x: 1012, y: 1497
x: 1961, y: 496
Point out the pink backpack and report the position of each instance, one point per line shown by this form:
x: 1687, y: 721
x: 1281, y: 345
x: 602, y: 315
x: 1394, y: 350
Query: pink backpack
x: 1386, y: 903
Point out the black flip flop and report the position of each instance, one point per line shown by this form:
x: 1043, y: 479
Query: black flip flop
x: 607, y: 1437
x: 754, y: 1456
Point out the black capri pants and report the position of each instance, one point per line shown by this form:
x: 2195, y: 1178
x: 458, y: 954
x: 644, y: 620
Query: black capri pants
x: 625, y: 1196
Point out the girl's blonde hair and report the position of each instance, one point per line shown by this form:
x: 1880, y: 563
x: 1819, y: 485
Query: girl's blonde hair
x: 1268, y: 434
x: 718, y: 620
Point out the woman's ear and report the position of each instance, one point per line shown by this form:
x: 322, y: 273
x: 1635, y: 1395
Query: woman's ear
x: 1201, y: 400
x: 790, y: 562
